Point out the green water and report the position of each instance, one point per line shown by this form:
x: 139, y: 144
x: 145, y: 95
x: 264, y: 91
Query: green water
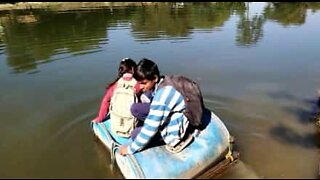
x: 257, y: 64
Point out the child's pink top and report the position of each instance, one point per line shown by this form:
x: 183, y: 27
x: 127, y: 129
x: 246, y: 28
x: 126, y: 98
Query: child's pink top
x: 104, y: 107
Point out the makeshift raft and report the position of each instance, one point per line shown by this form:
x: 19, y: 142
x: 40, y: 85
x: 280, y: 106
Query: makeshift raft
x: 209, y: 154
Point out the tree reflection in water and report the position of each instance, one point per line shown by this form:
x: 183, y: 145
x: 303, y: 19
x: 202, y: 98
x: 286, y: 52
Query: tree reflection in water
x: 32, y: 37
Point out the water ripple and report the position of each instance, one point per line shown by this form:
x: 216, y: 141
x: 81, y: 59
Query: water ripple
x: 70, y: 125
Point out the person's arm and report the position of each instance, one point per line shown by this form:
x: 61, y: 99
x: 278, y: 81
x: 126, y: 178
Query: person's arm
x: 104, y: 107
x: 159, y: 110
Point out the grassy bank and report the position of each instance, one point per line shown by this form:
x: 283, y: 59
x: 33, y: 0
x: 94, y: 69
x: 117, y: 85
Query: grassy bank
x: 67, y: 5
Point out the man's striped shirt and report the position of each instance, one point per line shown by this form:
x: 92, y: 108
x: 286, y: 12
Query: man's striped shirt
x: 165, y: 100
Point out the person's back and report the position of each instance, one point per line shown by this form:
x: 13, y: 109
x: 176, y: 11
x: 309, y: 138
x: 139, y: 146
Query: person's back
x: 122, y: 121
x: 192, y: 96
x: 126, y: 66
x: 173, y: 126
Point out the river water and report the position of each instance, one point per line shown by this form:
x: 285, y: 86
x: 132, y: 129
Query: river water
x: 257, y: 65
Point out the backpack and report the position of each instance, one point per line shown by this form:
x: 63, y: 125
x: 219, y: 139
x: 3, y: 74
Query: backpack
x: 122, y: 121
x: 191, y: 94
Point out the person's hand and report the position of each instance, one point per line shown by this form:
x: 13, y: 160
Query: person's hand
x: 123, y: 150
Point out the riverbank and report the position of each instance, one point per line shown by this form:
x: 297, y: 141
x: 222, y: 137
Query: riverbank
x: 67, y: 5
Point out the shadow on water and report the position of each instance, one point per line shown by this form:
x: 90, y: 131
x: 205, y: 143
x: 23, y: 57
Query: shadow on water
x: 289, y: 136
x: 293, y: 129
x: 305, y: 115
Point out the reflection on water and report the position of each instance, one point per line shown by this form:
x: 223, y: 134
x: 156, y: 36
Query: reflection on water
x: 250, y: 29
x: 257, y: 64
x: 33, y: 37
x: 33, y: 41
x: 288, y: 13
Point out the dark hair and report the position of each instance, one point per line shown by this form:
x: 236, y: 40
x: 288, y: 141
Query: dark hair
x: 126, y: 65
x: 147, y: 69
